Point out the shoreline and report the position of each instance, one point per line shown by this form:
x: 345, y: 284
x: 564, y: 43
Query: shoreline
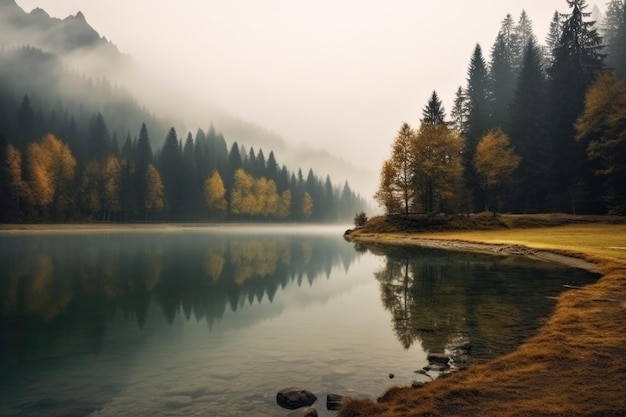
x: 563, y: 258
x: 578, y: 355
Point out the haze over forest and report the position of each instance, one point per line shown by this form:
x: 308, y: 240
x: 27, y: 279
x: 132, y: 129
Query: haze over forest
x: 337, y: 77
x: 323, y: 87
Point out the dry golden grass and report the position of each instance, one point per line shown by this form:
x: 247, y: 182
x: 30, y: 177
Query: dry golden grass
x: 575, y: 365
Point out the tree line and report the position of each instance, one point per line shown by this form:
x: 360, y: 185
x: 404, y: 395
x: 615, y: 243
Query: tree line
x: 92, y: 176
x: 535, y: 129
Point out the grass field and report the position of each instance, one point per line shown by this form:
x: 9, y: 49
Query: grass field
x: 576, y: 364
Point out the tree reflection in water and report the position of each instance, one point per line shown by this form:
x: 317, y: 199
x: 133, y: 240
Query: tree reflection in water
x: 440, y: 297
x: 55, y: 283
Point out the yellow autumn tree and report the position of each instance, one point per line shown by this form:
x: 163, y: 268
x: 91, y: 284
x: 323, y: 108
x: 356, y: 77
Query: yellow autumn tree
x: 155, y: 193
x: 111, y: 181
x: 387, y: 194
x: 242, y: 199
x: 266, y: 197
x: 437, y: 168
x: 602, y: 127
x: 50, y: 166
x: 307, y: 205
x: 495, y: 162
x: 215, y: 193
x: 19, y: 188
x: 89, y: 196
x: 284, y: 205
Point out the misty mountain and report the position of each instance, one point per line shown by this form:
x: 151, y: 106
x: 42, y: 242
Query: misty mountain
x: 88, y: 68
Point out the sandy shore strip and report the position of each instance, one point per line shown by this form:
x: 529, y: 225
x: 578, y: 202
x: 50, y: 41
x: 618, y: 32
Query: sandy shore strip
x: 572, y: 260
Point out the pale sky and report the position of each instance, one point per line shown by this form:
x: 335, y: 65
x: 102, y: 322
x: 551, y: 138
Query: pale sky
x: 342, y: 75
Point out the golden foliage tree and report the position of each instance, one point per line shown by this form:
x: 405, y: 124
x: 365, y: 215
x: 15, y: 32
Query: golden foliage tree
x: 50, y: 166
x: 242, y: 199
x: 387, y: 193
x: 215, y: 193
x: 307, y: 205
x: 284, y: 205
x: 19, y: 188
x: 495, y: 161
x: 112, y: 173
x: 267, y: 197
x: 602, y: 125
x: 155, y: 193
x: 437, y: 168
x: 402, y: 161
x: 89, y: 188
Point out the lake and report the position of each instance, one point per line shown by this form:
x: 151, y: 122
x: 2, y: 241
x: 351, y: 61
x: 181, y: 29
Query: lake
x: 182, y: 321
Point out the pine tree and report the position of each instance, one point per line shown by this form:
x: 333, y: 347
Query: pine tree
x: 524, y: 34
x: 478, y: 114
x: 25, y: 123
x: 615, y: 36
x: 577, y: 62
x: 459, y: 111
x: 529, y: 133
x: 502, y: 78
x: 434, y: 114
x: 98, y: 140
x: 552, y: 40
x: 171, y: 168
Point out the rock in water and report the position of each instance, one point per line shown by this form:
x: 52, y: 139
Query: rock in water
x: 293, y: 398
x: 304, y: 412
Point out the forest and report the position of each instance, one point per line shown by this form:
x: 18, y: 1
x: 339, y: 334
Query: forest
x: 536, y: 128
x: 77, y: 149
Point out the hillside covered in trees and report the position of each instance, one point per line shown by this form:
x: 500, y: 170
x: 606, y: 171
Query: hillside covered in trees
x: 536, y: 128
x: 77, y: 148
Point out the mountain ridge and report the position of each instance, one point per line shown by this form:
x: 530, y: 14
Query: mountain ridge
x: 81, y: 47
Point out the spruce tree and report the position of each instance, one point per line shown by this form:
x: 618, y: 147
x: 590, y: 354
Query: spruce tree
x: 502, y: 78
x: 478, y: 96
x: 552, y: 40
x: 577, y: 61
x: 434, y: 114
x: 529, y: 134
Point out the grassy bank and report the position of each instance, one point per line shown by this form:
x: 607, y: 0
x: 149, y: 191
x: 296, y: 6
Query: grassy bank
x: 575, y: 365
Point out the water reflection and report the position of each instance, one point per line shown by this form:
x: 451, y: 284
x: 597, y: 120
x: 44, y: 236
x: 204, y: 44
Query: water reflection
x: 438, y: 298
x: 55, y: 290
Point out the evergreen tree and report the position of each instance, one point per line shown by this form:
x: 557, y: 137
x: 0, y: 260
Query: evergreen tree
x: 577, y: 62
x: 434, y: 114
x: 478, y: 114
x: 459, y: 111
x: 529, y: 134
x: 25, y: 123
x: 552, y: 40
x: 171, y: 168
x: 98, y: 140
x: 615, y: 36
x: 502, y: 78
x: 524, y: 34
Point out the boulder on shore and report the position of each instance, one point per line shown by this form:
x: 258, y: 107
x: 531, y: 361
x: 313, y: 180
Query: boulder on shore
x: 293, y: 398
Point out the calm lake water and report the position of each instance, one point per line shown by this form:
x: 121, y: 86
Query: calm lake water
x: 215, y: 320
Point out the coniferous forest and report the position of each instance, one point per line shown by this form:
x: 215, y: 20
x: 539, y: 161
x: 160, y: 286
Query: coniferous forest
x: 537, y: 127
x: 77, y: 149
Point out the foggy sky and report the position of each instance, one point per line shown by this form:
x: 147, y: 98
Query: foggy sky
x: 339, y: 75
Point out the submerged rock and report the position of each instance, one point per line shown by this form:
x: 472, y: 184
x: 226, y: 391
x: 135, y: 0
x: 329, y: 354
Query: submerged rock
x: 293, y: 398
